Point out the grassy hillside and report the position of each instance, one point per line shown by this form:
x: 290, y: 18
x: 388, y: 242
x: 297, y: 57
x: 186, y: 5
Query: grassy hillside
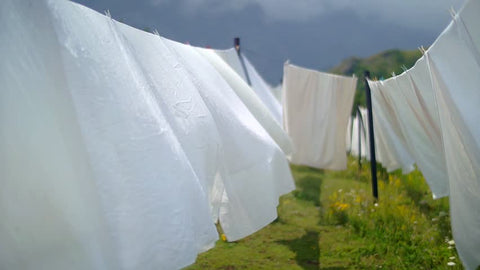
x: 380, y: 66
x: 331, y: 222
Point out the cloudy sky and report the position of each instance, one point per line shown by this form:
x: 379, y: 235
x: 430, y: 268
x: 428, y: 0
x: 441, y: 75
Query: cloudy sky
x: 316, y: 34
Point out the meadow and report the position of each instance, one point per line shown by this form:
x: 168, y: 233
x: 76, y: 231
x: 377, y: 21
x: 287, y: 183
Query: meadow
x: 331, y: 221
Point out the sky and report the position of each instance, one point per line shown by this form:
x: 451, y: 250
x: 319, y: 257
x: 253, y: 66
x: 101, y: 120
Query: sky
x: 316, y: 34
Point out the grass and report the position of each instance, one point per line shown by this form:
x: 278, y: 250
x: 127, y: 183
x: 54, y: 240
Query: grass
x: 331, y: 222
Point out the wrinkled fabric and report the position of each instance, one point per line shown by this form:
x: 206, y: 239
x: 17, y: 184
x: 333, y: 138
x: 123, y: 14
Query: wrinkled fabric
x: 181, y: 102
x: 437, y: 104
x: 122, y: 147
x: 454, y: 65
x: 257, y: 171
x: 257, y: 83
x: 390, y: 149
x: 93, y: 176
x: 419, y: 128
x: 250, y: 99
x: 358, y: 138
x: 316, y: 108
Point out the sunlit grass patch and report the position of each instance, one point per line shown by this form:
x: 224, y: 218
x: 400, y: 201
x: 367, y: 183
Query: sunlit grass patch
x: 331, y: 221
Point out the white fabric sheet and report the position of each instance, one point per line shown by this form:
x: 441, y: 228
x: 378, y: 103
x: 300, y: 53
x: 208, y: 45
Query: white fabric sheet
x: 277, y: 92
x: 359, y: 143
x: 390, y: 146
x: 454, y: 64
x: 316, y: 109
x: 348, y: 137
x: 257, y: 171
x: 261, y: 88
x: 420, y: 133
x: 122, y: 147
x: 92, y: 175
x: 250, y: 99
x: 438, y: 100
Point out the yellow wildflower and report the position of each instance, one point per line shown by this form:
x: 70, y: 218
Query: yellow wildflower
x: 341, y: 206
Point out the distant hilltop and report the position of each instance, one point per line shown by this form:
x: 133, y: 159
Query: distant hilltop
x: 380, y: 65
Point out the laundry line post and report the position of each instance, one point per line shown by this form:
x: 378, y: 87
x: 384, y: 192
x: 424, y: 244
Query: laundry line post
x: 236, y: 44
x: 373, y: 160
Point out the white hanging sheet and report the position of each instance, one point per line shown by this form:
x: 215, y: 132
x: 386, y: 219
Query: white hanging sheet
x: 181, y: 102
x: 438, y: 100
x: 389, y: 140
x: 120, y: 153
x: 257, y: 171
x: 277, y: 92
x: 421, y: 135
x: 359, y: 144
x: 93, y: 176
x: 348, y: 137
x: 250, y: 99
x: 258, y: 84
x: 454, y: 62
x: 316, y: 110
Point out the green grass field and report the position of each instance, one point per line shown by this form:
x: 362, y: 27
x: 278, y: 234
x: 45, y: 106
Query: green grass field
x: 331, y: 222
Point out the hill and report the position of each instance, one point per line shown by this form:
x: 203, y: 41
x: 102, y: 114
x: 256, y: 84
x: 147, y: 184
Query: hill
x: 380, y: 66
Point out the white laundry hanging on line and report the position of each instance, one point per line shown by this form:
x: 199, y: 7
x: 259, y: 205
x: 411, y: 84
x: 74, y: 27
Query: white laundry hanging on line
x: 419, y: 128
x: 92, y: 174
x: 277, y: 92
x: 390, y: 149
x: 359, y: 143
x: 179, y: 99
x: 124, y: 58
x: 454, y: 63
x: 256, y: 170
x: 258, y: 84
x: 250, y: 99
x: 452, y: 67
x: 348, y: 137
x: 241, y: 158
x: 316, y: 109
x: 141, y: 148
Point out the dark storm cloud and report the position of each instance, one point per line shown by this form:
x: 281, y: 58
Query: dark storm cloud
x: 312, y: 33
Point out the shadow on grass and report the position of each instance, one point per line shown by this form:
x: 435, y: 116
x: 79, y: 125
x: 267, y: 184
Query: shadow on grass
x: 308, y: 182
x: 307, y: 250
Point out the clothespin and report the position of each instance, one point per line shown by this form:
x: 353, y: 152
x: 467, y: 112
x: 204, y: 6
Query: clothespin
x: 107, y: 13
x: 155, y: 32
x: 422, y: 50
x: 453, y: 13
x: 404, y: 68
x: 236, y: 43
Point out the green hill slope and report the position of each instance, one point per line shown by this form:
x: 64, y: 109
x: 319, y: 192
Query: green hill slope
x: 380, y: 66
